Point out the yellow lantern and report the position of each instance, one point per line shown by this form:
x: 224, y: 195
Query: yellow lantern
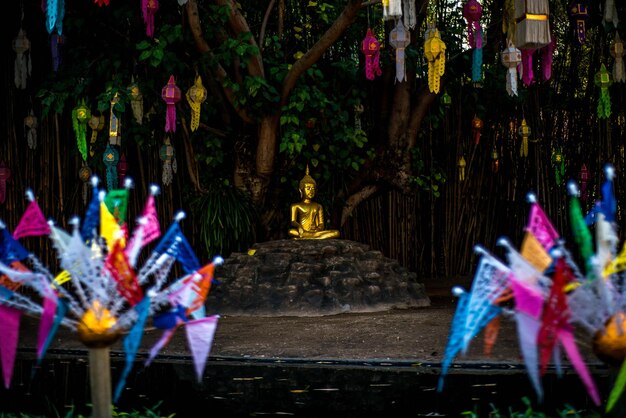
x: 115, y: 136
x: 136, y: 101
x: 435, y: 53
x: 96, y: 123
x: 524, y: 132
x: 461, y: 165
x: 196, y: 95
x: 617, y: 52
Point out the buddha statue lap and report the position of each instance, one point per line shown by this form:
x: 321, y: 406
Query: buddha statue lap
x: 307, y: 216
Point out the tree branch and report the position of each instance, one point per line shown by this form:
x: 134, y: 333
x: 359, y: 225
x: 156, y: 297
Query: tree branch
x: 239, y: 25
x: 203, y: 47
x: 355, y: 199
x: 264, y: 24
x: 316, y: 51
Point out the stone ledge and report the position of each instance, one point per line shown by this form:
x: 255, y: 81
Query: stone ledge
x: 312, y: 277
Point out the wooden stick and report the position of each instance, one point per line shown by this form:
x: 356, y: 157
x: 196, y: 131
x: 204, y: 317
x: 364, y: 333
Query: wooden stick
x: 100, y: 381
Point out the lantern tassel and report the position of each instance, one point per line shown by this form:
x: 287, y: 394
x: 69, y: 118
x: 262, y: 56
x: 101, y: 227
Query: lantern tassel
x: 477, y: 63
x: 170, y: 118
x: 527, y: 66
x: 546, y: 59
x: 511, y: 82
x: 604, y: 104
x: 400, y: 73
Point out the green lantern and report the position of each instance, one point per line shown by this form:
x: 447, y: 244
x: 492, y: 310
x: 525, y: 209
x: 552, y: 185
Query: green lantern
x: 603, y: 80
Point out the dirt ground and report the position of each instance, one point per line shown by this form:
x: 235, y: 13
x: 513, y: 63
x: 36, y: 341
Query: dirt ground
x: 418, y: 334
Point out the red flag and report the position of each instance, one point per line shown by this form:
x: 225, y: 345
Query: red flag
x: 555, y: 315
x: 127, y: 283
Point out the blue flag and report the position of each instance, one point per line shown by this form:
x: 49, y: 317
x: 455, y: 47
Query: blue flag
x: 131, y: 344
x: 10, y: 249
x: 92, y: 218
x: 176, y: 245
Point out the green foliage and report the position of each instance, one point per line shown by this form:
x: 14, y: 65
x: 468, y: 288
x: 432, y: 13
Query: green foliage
x: 152, y: 412
x: 567, y: 411
x: 428, y: 178
x: 225, y: 219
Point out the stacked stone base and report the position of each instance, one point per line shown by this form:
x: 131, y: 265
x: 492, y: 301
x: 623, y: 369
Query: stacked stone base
x: 312, y: 277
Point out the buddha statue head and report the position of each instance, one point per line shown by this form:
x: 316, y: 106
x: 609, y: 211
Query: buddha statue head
x: 307, y: 186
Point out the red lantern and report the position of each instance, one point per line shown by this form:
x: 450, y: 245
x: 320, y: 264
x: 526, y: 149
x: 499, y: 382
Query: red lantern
x: 122, y: 168
x: 477, y: 125
x: 5, y: 175
x: 171, y: 94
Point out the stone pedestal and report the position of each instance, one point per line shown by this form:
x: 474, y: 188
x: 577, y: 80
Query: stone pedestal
x: 312, y: 277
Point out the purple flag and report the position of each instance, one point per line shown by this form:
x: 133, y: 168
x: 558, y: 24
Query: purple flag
x: 9, y: 330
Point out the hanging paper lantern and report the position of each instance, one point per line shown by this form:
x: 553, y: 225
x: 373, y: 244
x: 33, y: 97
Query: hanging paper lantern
x: 84, y: 174
x: 610, y: 13
x: 21, y: 46
x: 602, y: 79
x: 435, y: 53
x: 80, y: 116
x: 122, y: 169
x: 136, y: 102
x: 55, y: 12
x: 532, y: 27
x: 511, y: 57
x: 508, y: 20
x: 5, y: 176
x: 546, y: 62
x: 472, y: 12
x: 461, y: 165
x: 171, y: 94
x: 96, y: 123
x: 358, y: 111
x: 182, y: 2
x: 371, y: 49
x: 495, y: 160
x: 617, y: 52
x: 392, y: 9
x: 56, y: 43
x: 196, y: 95
x: 148, y: 10
x: 110, y: 158
x: 579, y: 14
x: 30, y: 130
x: 410, y: 18
x: 477, y: 125
x: 168, y: 156
x: 558, y: 164
x: 524, y: 132
x: 101, y: 2
x: 399, y: 38
x: 583, y: 178
x: 115, y: 124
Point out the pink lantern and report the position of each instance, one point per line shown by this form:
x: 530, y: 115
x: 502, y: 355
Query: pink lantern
x: 171, y: 94
x: 371, y: 49
x: 148, y: 10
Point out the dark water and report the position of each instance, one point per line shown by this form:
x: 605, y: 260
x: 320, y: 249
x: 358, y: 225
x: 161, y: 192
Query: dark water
x: 234, y: 387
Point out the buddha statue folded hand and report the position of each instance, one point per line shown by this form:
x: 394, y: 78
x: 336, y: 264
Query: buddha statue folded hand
x: 307, y: 216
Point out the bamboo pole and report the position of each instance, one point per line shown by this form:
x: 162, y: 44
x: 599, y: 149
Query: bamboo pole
x: 100, y: 382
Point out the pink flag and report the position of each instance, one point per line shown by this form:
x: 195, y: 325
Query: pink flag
x: 566, y: 338
x: 541, y: 227
x: 9, y: 330
x: 200, y: 338
x: 528, y: 307
x: 32, y: 223
x: 152, y: 229
x: 163, y: 341
x: 47, y: 319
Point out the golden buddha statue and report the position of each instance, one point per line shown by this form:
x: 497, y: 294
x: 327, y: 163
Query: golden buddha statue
x: 307, y: 216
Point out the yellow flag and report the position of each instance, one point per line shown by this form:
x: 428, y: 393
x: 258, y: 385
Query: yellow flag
x: 62, y: 277
x: 534, y: 252
x: 110, y: 230
x: 617, y: 265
